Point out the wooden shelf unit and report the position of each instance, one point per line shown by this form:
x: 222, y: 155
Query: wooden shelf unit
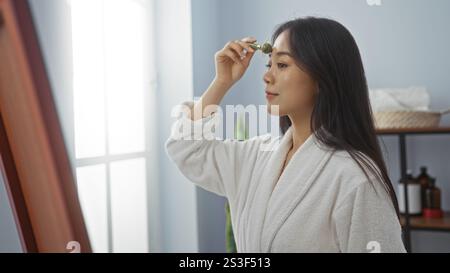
x: 414, y: 131
x: 431, y: 224
x: 410, y: 222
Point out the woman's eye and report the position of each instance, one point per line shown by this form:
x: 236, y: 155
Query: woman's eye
x: 279, y: 65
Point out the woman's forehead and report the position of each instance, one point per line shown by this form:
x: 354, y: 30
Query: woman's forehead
x: 282, y: 42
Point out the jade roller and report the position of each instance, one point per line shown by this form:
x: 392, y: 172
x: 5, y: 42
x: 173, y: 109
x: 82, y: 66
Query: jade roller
x: 266, y: 48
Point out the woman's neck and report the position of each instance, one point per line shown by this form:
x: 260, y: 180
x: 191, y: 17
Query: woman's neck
x: 301, y: 129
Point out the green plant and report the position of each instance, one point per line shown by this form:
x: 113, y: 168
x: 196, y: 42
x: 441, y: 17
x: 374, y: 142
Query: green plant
x: 230, y: 244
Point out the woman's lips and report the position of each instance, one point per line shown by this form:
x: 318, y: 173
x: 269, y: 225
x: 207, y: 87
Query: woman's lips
x: 270, y: 95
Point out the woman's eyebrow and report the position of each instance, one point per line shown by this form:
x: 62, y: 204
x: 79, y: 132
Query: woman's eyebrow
x: 280, y: 53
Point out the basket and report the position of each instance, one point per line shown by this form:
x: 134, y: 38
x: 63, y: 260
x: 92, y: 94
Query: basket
x: 408, y: 119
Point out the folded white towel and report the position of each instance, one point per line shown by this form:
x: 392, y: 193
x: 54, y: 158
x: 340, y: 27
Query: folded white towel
x: 400, y: 99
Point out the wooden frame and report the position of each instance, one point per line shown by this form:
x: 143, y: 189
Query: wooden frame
x: 33, y: 156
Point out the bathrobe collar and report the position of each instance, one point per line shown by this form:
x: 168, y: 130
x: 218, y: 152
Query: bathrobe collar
x: 279, y: 199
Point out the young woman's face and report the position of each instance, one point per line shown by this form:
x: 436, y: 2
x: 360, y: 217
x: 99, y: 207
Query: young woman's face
x: 294, y: 89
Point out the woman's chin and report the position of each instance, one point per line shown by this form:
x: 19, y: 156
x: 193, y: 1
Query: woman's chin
x: 273, y: 109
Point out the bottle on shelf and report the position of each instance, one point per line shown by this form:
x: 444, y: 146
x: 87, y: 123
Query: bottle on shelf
x: 424, y: 180
x: 414, y: 195
x: 432, y: 206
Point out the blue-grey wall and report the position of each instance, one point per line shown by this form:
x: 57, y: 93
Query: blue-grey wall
x: 402, y: 42
x: 206, y: 41
x: 173, y: 36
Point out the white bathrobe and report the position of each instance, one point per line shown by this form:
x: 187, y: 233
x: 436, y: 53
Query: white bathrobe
x: 322, y: 202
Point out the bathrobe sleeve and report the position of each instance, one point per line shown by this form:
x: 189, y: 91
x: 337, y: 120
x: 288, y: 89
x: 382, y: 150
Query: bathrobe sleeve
x: 366, y: 221
x: 213, y: 164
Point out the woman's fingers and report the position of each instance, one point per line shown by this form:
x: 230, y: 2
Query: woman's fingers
x: 238, y: 50
x: 249, y: 51
x: 241, y: 48
x: 243, y: 44
x: 249, y: 40
x: 246, y: 47
x: 232, y: 55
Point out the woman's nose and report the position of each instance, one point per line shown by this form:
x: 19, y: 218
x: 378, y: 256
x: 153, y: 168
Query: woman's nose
x: 268, y: 78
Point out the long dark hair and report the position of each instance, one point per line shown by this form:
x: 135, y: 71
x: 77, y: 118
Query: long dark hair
x: 342, y: 116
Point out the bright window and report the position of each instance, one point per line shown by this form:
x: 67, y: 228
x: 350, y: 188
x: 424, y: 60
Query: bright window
x: 110, y: 69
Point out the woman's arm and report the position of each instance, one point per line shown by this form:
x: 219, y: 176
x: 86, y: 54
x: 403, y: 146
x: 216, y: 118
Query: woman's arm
x: 215, y: 165
x: 209, y: 101
x: 366, y: 221
x: 231, y: 63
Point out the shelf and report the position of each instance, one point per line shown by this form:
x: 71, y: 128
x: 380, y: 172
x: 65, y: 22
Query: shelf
x: 414, y: 131
x: 416, y: 223
x: 421, y: 223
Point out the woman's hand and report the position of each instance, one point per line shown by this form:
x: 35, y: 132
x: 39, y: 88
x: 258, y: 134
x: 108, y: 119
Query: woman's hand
x: 233, y: 60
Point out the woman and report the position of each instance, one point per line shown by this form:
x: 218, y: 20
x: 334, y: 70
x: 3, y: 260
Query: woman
x: 324, y: 186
